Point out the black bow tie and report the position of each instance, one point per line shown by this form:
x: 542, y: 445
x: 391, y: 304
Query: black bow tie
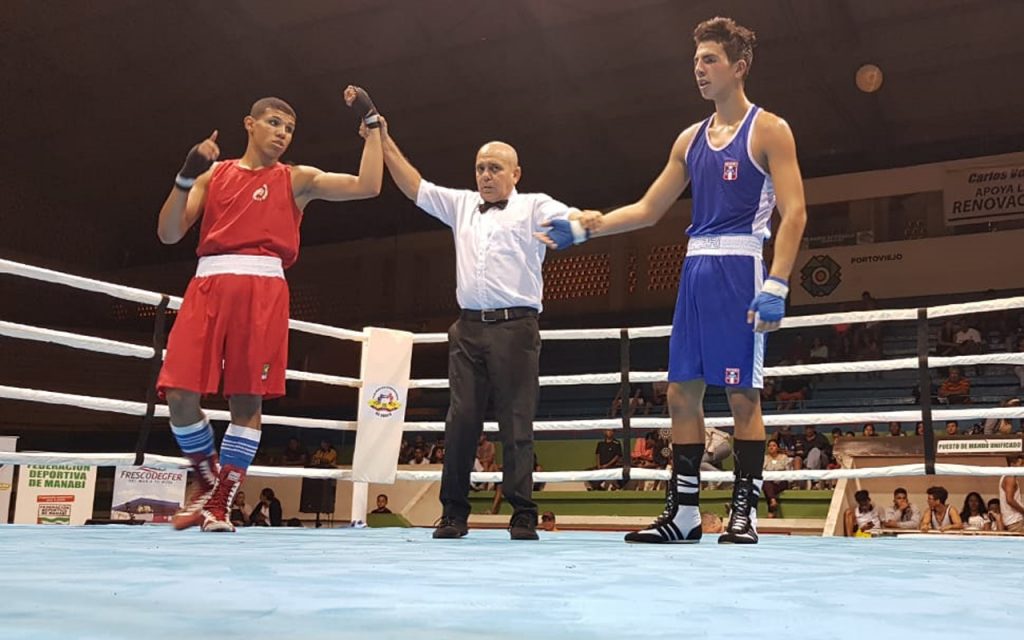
x: 500, y: 204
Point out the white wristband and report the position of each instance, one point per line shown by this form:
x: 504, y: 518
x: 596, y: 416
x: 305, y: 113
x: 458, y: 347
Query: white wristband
x: 775, y: 288
x: 184, y: 183
x: 373, y: 118
x: 579, y: 234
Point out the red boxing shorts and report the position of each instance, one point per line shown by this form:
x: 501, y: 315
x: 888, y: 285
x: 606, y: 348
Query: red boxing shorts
x: 235, y: 324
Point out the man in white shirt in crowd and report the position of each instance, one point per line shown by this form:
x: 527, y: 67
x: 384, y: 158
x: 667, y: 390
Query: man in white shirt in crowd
x: 494, y: 345
x: 967, y: 339
x: 864, y: 517
x: 902, y: 514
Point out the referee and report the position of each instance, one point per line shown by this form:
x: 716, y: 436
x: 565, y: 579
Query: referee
x: 494, y: 345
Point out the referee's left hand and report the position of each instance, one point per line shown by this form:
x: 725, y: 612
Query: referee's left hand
x: 768, y: 307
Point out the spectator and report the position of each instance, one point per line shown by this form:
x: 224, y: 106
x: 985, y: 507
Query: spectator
x: 974, y: 514
x: 967, y: 338
x: 995, y: 515
x: 787, y: 441
x: 769, y: 392
x: 268, y: 512
x: 547, y: 521
x: 837, y: 433
x: 946, y: 344
x: 438, y: 444
x: 294, y: 454
x: 775, y: 460
x: 419, y: 456
x: 919, y: 429
x: 607, y: 455
x: 818, y: 352
x: 864, y: 517
x: 659, y: 397
x: 1018, y: 370
x: 814, y: 449
x: 955, y: 389
x: 1011, y: 504
x: 326, y: 455
x: 382, y: 504
x: 642, y: 455
x: 717, y: 447
x: 437, y: 455
x: 952, y: 429
x: 1001, y: 425
x: 711, y: 523
x: 793, y: 391
x: 868, y: 431
x: 404, y: 452
x: 798, y: 351
x: 940, y: 516
x: 902, y: 514
x: 239, y: 510
x: 485, y: 453
x: 896, y: 430
x: 636, y: 400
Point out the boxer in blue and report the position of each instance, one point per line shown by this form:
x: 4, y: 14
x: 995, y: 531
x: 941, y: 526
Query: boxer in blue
x: 742, y: 163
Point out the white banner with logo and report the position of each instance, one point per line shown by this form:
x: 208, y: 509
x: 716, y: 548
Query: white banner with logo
x: 152, y: 495
x: 7, y: 443
x: 50, y: 494
x: 983, y: 194
x: 934, y: 266
x: 387, y: 359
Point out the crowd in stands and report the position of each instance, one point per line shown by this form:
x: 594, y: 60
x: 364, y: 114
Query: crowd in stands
x: 1004, y: 513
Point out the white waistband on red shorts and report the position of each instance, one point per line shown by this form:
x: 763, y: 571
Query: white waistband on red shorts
x: 265, y: 266
x: 725, y: 246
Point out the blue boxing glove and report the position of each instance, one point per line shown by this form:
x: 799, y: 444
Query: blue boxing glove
x: 769, y: 306
x: 565, y: 233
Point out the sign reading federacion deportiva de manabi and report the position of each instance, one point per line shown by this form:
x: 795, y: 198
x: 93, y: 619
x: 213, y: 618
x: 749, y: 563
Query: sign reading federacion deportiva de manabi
x: 983, y: 194
x: 54, y: 494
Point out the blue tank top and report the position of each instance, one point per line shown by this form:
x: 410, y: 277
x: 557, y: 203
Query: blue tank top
x: 732, y: 194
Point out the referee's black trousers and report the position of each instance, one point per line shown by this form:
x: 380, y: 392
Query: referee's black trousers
x: 501, y: 360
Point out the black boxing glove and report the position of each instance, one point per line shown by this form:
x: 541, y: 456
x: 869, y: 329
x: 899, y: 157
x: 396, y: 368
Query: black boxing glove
x: 363, y: 103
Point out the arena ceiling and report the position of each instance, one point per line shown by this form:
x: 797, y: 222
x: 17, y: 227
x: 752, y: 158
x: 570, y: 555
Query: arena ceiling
x: 101, y: 100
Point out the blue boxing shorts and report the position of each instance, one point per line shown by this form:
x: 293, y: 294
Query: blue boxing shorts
x: 711, y: 338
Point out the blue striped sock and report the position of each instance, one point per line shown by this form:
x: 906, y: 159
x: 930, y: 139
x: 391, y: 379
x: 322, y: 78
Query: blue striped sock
x: 195, y: 438
x: 239, y: 446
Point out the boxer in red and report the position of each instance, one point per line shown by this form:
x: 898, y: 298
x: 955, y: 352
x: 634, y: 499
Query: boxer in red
x: 233, y: 324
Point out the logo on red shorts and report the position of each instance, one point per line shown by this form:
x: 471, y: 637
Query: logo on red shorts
x: 731, y: 170
x: 261, y: 194
x: 266, y: 372
x: 732, y: 376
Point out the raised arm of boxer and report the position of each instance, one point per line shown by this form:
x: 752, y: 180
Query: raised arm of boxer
x: 185, y: 202
x: 313, y: 184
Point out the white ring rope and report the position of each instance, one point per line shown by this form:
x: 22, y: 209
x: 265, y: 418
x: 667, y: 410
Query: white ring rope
x: 114, y: 347
x: 600, y: 424
x: 170, y: 462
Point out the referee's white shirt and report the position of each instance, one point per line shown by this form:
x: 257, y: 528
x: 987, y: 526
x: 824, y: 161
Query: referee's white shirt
x: 497, y: 258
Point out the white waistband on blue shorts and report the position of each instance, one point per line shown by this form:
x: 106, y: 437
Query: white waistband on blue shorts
x: 265, y: 266
x: 725, y: 246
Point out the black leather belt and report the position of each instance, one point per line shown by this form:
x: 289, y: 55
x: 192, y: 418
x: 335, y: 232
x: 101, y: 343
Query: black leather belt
x: 498, y: 315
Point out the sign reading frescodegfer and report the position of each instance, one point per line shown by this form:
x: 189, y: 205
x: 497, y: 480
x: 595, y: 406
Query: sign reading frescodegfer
x: 144, y: 493
x: 983, y: 194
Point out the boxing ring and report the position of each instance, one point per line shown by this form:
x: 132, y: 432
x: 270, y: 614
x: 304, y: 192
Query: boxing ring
x: 113, y: 582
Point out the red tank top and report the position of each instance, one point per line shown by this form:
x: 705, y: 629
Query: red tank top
x: 250, y: 212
